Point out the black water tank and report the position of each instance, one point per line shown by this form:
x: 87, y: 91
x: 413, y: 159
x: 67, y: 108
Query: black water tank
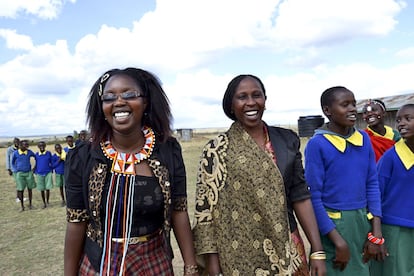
x: 308, y: 124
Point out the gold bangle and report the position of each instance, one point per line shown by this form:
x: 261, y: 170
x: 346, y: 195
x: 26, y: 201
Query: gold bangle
x: 318, y: 255
x: 190, y: 269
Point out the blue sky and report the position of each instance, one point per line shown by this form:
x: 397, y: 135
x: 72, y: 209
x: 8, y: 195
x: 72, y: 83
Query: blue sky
x: 52, y: 51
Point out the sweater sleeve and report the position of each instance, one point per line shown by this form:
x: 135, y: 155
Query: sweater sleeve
x: 372, y: 186
x: 315, y: 175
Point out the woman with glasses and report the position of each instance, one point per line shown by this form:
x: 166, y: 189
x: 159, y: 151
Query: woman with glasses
x: 126, y: 188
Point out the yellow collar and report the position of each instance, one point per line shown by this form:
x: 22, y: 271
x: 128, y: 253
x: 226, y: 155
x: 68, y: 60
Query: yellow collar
x: 42, y: 153
x: 62, y: 155
x: 405, y: 154
x: 389, y: 133
x: 22, y: 152
x: 339, y: 142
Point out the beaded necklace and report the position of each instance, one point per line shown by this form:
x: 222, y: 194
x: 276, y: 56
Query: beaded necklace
x: 123, y: 163
x: 120, y: 200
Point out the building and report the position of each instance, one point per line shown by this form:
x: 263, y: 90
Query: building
x: 392, y: 103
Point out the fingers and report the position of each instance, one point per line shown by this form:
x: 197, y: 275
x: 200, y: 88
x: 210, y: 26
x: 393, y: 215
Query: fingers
x: 339, y: 265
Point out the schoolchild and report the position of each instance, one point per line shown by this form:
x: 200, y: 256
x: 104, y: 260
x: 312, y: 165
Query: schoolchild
x: 341, y: 173
x: 382, y: 136
x: 9, y: 166
x: 82, y: 137
x: 24, y: 175
x: 43, y: 172
x: 58, y: 163
x: 71, y: 145
x: 396, y: 179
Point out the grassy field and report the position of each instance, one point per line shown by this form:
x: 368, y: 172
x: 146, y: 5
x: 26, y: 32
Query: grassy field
x: 31, y: 242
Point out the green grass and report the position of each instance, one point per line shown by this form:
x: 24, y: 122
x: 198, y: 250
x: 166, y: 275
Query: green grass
x: 31, y: 242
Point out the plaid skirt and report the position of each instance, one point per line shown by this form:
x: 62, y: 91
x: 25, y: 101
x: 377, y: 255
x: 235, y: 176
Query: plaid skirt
x: 142, y: 259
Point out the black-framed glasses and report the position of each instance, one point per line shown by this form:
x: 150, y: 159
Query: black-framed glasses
x: 126, y: 96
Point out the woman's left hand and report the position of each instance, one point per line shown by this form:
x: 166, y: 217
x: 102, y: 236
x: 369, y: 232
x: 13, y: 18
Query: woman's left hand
x: 318, y: 267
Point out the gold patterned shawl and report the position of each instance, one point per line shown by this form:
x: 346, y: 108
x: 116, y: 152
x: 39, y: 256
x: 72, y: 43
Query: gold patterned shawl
x: 241, y: 211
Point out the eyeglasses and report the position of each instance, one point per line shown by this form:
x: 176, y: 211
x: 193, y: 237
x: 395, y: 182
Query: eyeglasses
x: 126, y: 96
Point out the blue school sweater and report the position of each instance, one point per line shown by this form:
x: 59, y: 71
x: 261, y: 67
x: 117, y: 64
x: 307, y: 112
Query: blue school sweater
x: 341, y: 180
x: 43, y: 163
x: 21, y: 161
x: 397, y: 185
x: 58, y: 164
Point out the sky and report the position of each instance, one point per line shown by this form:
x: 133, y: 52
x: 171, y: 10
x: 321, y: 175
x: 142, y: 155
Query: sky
x: 52, y: 51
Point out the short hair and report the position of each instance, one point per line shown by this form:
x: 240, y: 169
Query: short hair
x: 157, y: 114
x: 231, y: 90
x: 69, y: 137
x: 24, y: 141
x: 328, y: 95
x: 409, y: 105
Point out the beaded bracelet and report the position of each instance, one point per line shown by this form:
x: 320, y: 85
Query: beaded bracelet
x: 375, y: 240
x: 318, y: 255
x: 190, y: 269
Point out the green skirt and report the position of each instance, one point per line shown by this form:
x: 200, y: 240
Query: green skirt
x: 400, y: 262
x: 353, y: 226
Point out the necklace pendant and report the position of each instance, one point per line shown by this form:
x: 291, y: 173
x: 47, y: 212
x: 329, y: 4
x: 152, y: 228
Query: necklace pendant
x: 124, y: 163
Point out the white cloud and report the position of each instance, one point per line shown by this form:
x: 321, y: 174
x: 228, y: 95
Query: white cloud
x: 323, y: 22
x: 44, y: 9
x: 180, y: 39
x: 16, y: 41
x: 406, y: 53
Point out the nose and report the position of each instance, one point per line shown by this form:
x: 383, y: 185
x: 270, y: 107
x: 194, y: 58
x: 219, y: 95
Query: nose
x: 119, y: 100
x: 250, y: 100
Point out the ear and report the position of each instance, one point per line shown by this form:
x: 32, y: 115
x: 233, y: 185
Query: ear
x: 326, y: 110
x: 145, y: 103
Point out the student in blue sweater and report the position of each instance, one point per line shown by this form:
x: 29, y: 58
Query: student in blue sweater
x: 58, y: 160
x: 396, y: 178
x: 24, y: 175
x: 341, y: 172
x: 43, y: 171
x: 71, y: 145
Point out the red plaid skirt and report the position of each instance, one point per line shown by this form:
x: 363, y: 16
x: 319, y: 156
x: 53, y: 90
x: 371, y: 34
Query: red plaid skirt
x: 142, y: 259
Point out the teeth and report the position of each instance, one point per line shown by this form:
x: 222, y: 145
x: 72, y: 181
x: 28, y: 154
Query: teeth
x: 403, y: 130
x: 251, y: 113
x: 371, y: 119
x: 121, y: 114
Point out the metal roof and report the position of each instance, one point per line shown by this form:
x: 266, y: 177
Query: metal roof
x: 391, y: 102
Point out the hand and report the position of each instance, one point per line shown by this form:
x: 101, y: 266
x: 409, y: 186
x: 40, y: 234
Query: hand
x: 318, y: 267
x: 191, y: 270
x: 342, y: 256
x: 374, y: 251
x: 10, y: 172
